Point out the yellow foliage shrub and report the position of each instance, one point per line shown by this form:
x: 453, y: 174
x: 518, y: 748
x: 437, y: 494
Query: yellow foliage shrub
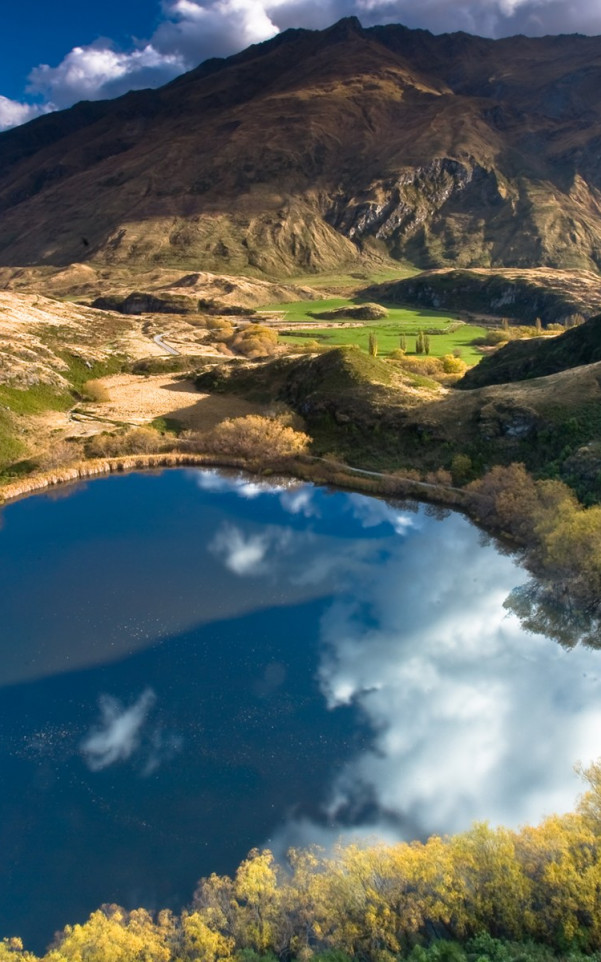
x: 255, y: 340
x: 256, y: 436
x: 143, y: 440
x: 422, y: 365
x: 220, y: 324
x: 453, y: 365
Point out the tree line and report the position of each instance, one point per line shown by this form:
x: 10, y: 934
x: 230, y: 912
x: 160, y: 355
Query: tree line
x: 561, y: 537
x: 485, y: 895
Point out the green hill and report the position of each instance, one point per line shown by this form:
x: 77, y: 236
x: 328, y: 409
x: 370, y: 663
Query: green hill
x: 538, y: 357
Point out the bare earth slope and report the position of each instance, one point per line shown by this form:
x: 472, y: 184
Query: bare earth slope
x: 317, y: 149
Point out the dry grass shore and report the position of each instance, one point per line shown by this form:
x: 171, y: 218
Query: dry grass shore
x: 301, y: 468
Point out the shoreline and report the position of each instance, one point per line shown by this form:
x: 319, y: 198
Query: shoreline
x: 302, y: 468
x: 321, y: 472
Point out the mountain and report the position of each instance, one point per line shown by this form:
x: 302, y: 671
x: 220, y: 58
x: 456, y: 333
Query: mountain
x: 320, y: 149
x: 538, y: 357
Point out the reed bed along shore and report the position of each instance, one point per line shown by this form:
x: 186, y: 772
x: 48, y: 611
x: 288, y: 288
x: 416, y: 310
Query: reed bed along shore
x: 302, y: 468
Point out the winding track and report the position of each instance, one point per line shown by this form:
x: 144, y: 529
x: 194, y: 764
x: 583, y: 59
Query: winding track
x: 158, y: 339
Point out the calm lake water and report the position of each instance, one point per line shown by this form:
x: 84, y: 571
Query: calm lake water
x: 193, y: 664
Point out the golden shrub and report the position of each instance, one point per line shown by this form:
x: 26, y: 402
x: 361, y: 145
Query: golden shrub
x: 255, y: 340
x: 453, y: 365
x: 95, y: 390
x: 256, y: 436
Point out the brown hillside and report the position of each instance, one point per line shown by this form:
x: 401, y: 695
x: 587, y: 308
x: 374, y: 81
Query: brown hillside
x: 315, y: 149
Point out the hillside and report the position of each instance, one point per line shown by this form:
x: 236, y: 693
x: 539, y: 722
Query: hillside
x: 367, y: 411
x: 523, y: 295
x: 522, y: 360
x: 323, y: 149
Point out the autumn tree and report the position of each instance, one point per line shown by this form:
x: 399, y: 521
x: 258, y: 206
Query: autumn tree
x: 201, y: 943
x: 11, y: 950
x: 495, y: 893
x: 113, y: 935
x: 572, y: 548
x: 258, y: 898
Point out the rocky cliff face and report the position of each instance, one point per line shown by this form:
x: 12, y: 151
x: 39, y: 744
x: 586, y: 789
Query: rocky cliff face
x: 317, y: 149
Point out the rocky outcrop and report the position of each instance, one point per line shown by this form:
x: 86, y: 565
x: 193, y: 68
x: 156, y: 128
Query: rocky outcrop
x: 140, y: 303
x: 509, y: 420
x: 417, y: 200
x: 522, y: 295
x: 360, y: 312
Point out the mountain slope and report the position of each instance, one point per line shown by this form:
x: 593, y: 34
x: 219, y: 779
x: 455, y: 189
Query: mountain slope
x: 523, y: 360
x: 318, y: 148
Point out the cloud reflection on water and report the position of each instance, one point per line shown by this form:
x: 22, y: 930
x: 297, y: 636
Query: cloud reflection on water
x: 124, y: 734
x: 473, y: 717
x: 117, y: 737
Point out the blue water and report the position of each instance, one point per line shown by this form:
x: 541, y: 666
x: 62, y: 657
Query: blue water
x: 194, y: 664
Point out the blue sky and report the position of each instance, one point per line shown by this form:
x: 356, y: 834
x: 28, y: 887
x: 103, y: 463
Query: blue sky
x: 54, y: 54
x: 33, y: 33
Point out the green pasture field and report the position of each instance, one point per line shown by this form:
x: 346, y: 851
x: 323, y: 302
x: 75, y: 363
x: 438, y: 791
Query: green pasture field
x: 400, y: 320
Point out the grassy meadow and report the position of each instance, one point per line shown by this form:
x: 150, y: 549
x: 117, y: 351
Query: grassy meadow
x: 447, y: 334
x: 355, y: 280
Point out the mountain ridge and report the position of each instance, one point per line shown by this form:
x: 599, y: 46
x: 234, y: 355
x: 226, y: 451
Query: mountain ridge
x: 321, y: 149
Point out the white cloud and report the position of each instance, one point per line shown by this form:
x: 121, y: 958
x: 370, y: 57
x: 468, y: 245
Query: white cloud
x: 118, y: 735
x: 13, y: 113
x: 97, y: 71
x: 216, y: 28
x: 488, y: 18
x: 220, y: 483
x: 162, y: 746
x: 372, y: 512
x: 190, y: 33
x: 300, y: 500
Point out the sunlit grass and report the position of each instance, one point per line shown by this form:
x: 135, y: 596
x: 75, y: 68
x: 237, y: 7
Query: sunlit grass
x: 354, y: 280
x: 400, y: 321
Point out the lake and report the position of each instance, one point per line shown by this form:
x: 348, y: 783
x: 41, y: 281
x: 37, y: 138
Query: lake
x: 195, y: 663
